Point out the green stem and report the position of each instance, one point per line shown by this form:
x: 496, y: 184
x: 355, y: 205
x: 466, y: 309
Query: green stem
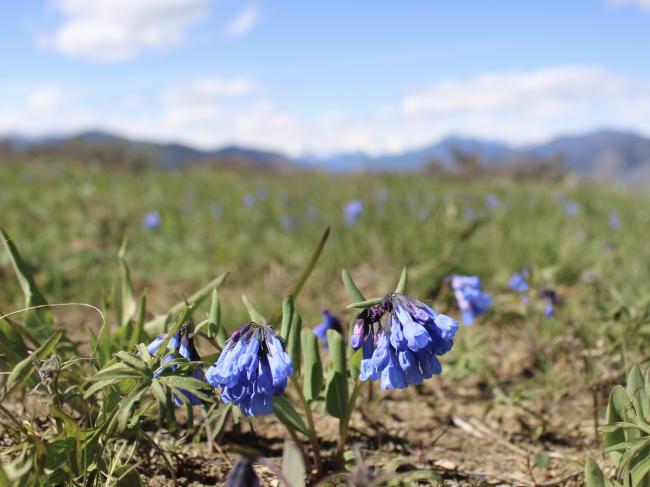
x: 344, y: 423
x: 313, y: 438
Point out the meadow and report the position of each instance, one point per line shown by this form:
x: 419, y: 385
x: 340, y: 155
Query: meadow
x: 524, y: 398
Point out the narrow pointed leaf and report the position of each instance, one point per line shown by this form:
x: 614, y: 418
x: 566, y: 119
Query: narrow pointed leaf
x: 287, y: 414
x: 312, y: 365
x: 336, y: 392
x: 293, y: 467
x: 253, y: 312
x: 128, y: 302
x: 287, y: 317
x: 403, y: 281
x: 351, y: 287
x: 364, y: 304
x: 300, y: 282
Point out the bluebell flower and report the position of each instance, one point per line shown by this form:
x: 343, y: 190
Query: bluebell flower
x: 614, y: 220
x: 151, y: 220
x: 180, y: 344
x: 262, y: 194
x: 330, y: 322
x: 289, y: 222
x: 469, y: 215
x: 401, y: 338
x: 242, y: 474
x: 352, y: 212
x: 249, y: 201
x: 571, y: 208
x: 311, y: 213
x: 472, y: 301
x: 217, y: 210
x: 519, y: 281
x: 550, y: 301
x: 492, y: 201
x: 252, y: 368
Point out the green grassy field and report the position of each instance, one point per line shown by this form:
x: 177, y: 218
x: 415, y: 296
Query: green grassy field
x: 69, y: 220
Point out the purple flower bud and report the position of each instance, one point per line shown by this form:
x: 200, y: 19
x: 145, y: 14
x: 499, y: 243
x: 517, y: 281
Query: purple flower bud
x: 242, y: 474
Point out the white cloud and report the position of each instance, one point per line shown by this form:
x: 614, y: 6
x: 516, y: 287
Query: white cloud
x: 644, y: 4
x: 243, y: 22
x: 109, y: 30
x: 44, y: 100
x: 211, y: 112
x: 541, y: 92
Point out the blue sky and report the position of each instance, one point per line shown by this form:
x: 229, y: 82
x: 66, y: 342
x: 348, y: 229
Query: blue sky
x: 324, y: 77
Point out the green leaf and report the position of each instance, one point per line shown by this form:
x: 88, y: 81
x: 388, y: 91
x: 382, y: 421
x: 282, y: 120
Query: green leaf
x: 287, y: 414
x: 312, y: 365
x: 128, y: 302
x: 355, y: 363
x: 351, y: 287
x: 593, y: 474
x: 616, y: 412
x: 23, y: 372
x: 253, y: 312
x: 640, y: 471
x: 157, y: 325
x: 127, y: 404
x: 298, y: 285
x: 293, y: 344
x: 287, y: 317
x: 293, y: 467
x: 131, y: 360
x: 365, y: 304
x: 336, y: 392
x: 403, y: 281
x: 636, y: 390
x: 138, y: 329
x: 541, y: 460
x: 40, y: 319
x: 197, y: 387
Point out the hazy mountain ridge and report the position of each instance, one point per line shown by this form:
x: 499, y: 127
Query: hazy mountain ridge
x: 605, y: 154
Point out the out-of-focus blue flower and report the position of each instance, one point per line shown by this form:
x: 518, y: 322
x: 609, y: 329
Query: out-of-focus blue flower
x: 217, y: 210
x: 469, y: 215
x: 252, y: 368
x: 249, y: 201
x: 182, y: 344
x: 311, y: 213
x: 330, y: 322
x: 262, y: 194
x: 289, y: 222
x: 550, y: 301
x: 352, y: 212
x: 519, y: 281
x: 492, y: 201
x: 151, y: 220
x: 571, y: 208
x: 402, y: 348
x: 614, y: 220
x: 472, y: 301
x: 382, y: 195
x: 242, y: 474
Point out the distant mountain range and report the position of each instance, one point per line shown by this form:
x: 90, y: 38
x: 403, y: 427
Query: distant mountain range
x: 609, y: 155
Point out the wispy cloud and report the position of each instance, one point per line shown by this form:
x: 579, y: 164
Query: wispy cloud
x: 518, y: 107
x: 644, y: 4
x: 243, y: 22
x: 110, y: 30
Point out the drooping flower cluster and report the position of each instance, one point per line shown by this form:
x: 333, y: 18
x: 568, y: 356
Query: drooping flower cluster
x: 472, y: 301
x: 519, y: 281
x: 252, y: 368
x: 180, y: 344
x: 550, y: 301
x: 401, y: 338
x: 330, y: 322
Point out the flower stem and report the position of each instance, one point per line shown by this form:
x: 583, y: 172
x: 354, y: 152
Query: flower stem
x: 313, y: 438
x: 344, y: 423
